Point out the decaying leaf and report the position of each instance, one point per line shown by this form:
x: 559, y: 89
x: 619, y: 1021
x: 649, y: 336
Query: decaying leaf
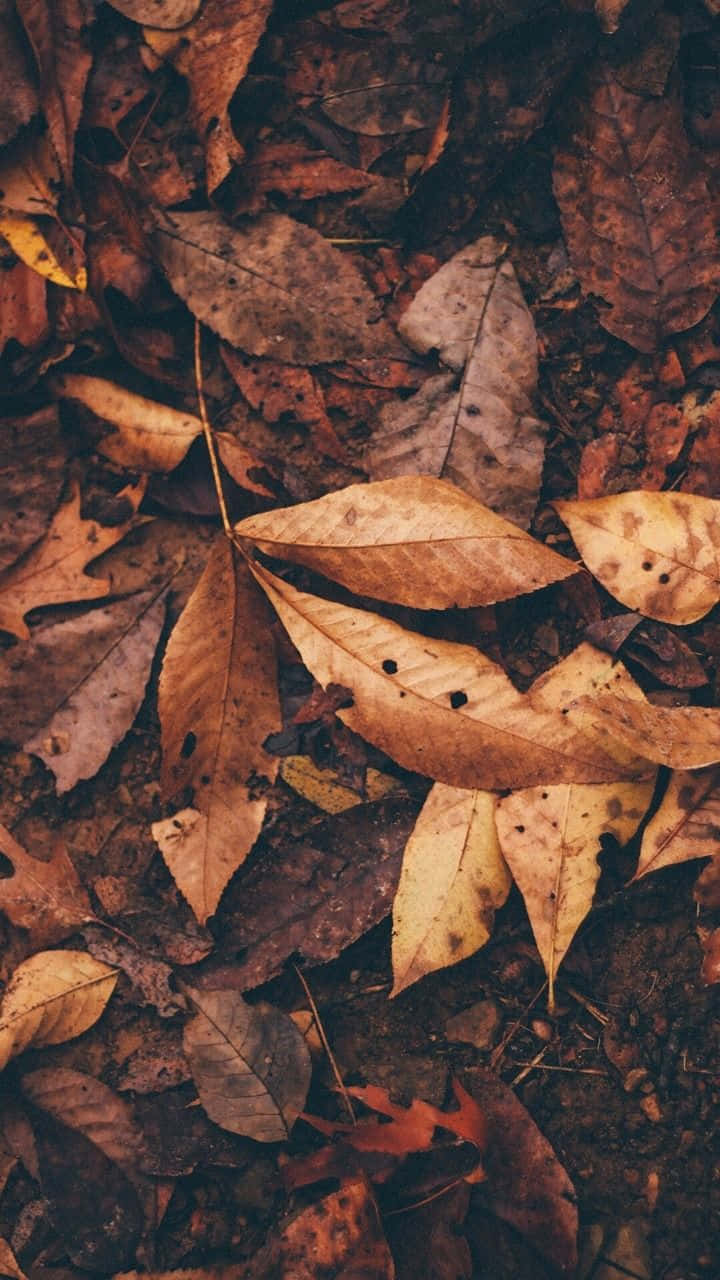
x: 166, y: 14
x: 439, y: 708
x: 609, y: 13
x: 218, y: 702
x: 31, y: 478
x: 637, y: 214
x: 81, y: 1102
x: 53, y: 571
x: 413, y: 540
x: 58, y: 32
x: 323, y: 788
x: 679, y: 737
x: 53, y: 996
x: 274, y: 288
x: 147, y: 435
x: 18, y: 95
x: 9, y: 1265
x: 686, y: 824
x: 46, y: 898
x: 26, y: 239
x: 452, y: 881
x: 484, y: 437
x: 341, y: 1235
x: 250, y: 1064
x: 385, y: 90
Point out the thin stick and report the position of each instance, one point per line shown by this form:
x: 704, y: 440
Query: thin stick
x: 326, y: 1046
x: 207, y: 432
x: 499, y: 1050
x: 418, y: 1204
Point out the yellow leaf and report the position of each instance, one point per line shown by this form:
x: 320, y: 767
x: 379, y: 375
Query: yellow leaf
x: 148, y: 435
x: 655, y: 552
x: 28, y: 242
x: 322, y: 788
x: 679, y: 737
x: 414, y: 540
x: 686, y: 823
x: 452, y: 880
x: 52, y: 997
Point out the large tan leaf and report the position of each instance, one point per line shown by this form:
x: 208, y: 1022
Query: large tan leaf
x: 46, y: 898
x: 275, y: 287
x: 53, y: 996
x: 218, y: 702
x: 148, y: 436
x: 655, y: 552
x: 83, y: 1103
x: 413, y: 540
x: 452, y: 880
x: 637, y: 214
x: 686, y: 824
x: 485, y: 437
x: 53, y: 571
x: 679, y: 737
x: 439, y: 708
x: 250, y: 1064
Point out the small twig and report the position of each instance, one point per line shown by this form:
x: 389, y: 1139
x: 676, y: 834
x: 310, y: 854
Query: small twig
x: 143, y: 124
x: 418, y: 1204
x: 592, y: 1009
x: 530, y: 1066
x: 499, y: 1050
x: 326, y: 1046
x: 209, y: 441
x: 546, y: 1066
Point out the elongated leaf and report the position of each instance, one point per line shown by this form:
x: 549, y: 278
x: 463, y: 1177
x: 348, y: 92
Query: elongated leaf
x: 250, y: 1064
x: 686, y: 824
x: 439, y: 708
x: 58, y: 32
x: 26, y: 239
x: 46, y: 898
x: 453, y: 878
x: 147, y: 435
x: 679, y: 737
x: 218, y: 702
x: 83, y: 1103
x: 655, y: 552
x: 413, y: 540
x: 31, y: 479
x: 53, y: 996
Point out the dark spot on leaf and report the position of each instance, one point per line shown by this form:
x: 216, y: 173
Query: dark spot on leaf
x: 520, y: 829
x: 188, y: 746
x: 205, y: 779
x: 6, y: 867
x: 664, y: 577
x: 454, y: 941
x: 647, y: 565
x: 458, y: 699
x: 389, y: 666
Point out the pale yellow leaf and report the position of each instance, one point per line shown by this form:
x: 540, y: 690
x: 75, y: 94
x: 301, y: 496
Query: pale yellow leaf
x: 148, y: 436
x: 655, y: 552
x: 439, y: 708
x: 323, y: 788
x: 414, y: 540
x: 28, y: 242
x: 52, y: 997
x: 679, y: 737
x: 686, y: 824
x: 453, y: 879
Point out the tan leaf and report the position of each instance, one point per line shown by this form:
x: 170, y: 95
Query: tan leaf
x: 452, y: 880
x: 275, y: 287
x: 679, y: 737
x: 165, y: 14
x: 217, y: 702
x: 8, y: 1262
x: 439, y: 708
x: 148, y: 436
x: 250, y: 1064
x: 323, y: 788
x: 484, y: 437
x: 52, y: 997
x: 52, y: 572
x: 685, y: 825
x: 83, y: 1103
x: 239, y: 462
x: 46, y: 898
x: 413, y: 540
x: 26, y: 239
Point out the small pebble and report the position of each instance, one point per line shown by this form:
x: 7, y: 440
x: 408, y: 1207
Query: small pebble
x: 478, y: 1025
x: 651, y: 1108
x: 543, y: 1030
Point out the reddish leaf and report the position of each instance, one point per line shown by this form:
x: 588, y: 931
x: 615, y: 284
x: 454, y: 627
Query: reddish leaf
x: 46, y: 898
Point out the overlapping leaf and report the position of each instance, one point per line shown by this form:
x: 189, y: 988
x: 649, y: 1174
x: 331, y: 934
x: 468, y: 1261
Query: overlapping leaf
x: 147, y: 435
x: 679, y: 737
x: 53, y: 996
x: 46, y: 898
x: 686, y: 823
x: 83, y: 1103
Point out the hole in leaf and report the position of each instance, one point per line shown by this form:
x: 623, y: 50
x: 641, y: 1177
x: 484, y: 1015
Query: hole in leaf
x: 389, y: 666
x: 458, y: 699
x: 664, y: 577
x: 6, y: 867
x: 520, y: 829
x: 647, y: 565
x: 188, y: 746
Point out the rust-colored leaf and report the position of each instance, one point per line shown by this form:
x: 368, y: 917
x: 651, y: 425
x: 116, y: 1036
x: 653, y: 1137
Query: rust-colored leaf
x: 58, y: 31
x: 46, y: 898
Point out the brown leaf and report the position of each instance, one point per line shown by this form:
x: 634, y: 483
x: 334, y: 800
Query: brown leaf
x: 8, y: 1262
x: 18, y: 96
x: 165, y: 14
x: 217, y: 702
x: 281, y: 391
x: 679, y: 737
x: 711, y: 961
x: 686, y: 823
x: 149, y: 976
x: 146, y: 435
x: 275, y: 287
x: 413, y: 540
x: 384, y: 90
x: 31, y: 479
x: 58, y: 34
x: 53, y: 996
x: 85, y: 1104
x: 52, y: 573
x: 341, y: 1236
x: 23, y: 307
x: 637, y: 214
x: 411, y: 1128
x: 250, y: 1064
x: 297, y: 171
x: 46, y: 898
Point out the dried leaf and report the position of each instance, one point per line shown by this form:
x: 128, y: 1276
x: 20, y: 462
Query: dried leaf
x: 217, y: 702
x: 484, y: 437
x: 58, y: 31
x: 637, y: 214
x: 341, y: 1236
x: 686, y: 824
x: 46, y: 898
x: 411, y: 1128
x: 609, y: 13
x: 23, y: 308
x: 276, y: 287
x: 18, y: 95
x: 52, y: 573
x: 298, y: 171
x: 655, y: 552
x: 26, y: 239
x: 29, y: 176
x: 85, y: 1104
x: 679, y: 737
x: 283, y: 392
x: 413, y: 540
x: 8, y: 1262
x: 250, y: 1064
x: 384, y: 90
x: 165, y: 14
x: 438, y: 708
x: 452, y: 881
x: 323, y: 788
x: 53, y: 996
x: 147, y: 436
x: 31, y: 479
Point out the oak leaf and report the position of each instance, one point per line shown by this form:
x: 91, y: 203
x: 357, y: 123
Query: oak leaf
x: 411, y: 1128
x: 46, y: 898
x: 52, y: 997
x: 679, y: 737
x: 146, y: 435
x: 686, y: 823
x: 412, y: 540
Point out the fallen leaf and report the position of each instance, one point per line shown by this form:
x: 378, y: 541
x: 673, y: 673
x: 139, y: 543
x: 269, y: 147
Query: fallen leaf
x: 239, y: 462
x: 52, y: 572
x: 341, y: 1236
x: 46, y: 898
x: 165, y: 14
x: 686, y: 823
x: 666, y: 656
x: 452, y: 881
x: 275, y: 287
x: 146, y: 435
x: 637, y: 214
x: 53, y: 996
x: 250, y: 1064
x: 323, y: 788
x: 31, y: 479
x: 655, y: 552
x: 217, y: 702
x: 609, y: 13
x: 291, y: 169
x: 30, y: 176
x: 679, y: 737
x: 58, y: 32
x: 485, y: 437
x: 23, y: 307
x: 385, y: 89
x: 26, y: 239
x: 413, y: 540
x: 18, y: 95
x: 438, y: 708
x: 411, y: 1128
x: 149, y: 976
x: 283, y: 392
x: 707, y: 886
x: 89, y: 1106
x: 8, y: 1262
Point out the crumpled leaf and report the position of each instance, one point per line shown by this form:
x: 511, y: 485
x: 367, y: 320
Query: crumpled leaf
x: 637, y: 214
x: 26, y: 239
x: 53, y: 571
x: 275, y: 287
x: 166, y: 14
x: 686, y: 823
x: 384, y: 89
x: 439, y: 708
x: 46, y: 898
x: 147, y: 435
x: 31, y: 479
x: 413, y: 540
x: 655, y: 552
x: 484, y: 437
x: 58, y: 32
x: 452, y: 881
x: 217, y: 702
x: 83, y: 1103
x: 53, y: 996
x: 250, y: 1064
x: 679, y: 737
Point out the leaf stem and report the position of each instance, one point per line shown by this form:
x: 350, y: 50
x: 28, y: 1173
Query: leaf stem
x: 326, y: 1046
x: 209, y: 440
